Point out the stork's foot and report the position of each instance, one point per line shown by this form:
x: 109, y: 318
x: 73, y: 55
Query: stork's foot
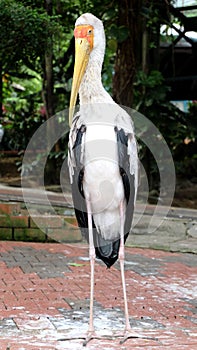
x: 129, y: 334
x: 90, y: 335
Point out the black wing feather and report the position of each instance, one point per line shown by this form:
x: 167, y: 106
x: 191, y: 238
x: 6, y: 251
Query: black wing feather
x: 127, y: 179
x: 77, y: 186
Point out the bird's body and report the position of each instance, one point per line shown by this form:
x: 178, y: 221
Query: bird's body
x: 102, y: 156
x: 101, y: 176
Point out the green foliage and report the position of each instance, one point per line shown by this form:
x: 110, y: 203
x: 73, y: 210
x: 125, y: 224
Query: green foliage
x: 24, y: 34
x: 150, y: 97
x: 21, y: 124
x: 177, y: 127
x: 23, y: 109
x: 148, y: 89
x: 118, y: 33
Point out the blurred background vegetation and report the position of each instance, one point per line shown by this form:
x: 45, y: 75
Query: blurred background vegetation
x: 36, y: 66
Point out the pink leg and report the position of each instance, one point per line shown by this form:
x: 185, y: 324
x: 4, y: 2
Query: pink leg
x: 91, y: 332
x: 121, y: 259
x: 128, y: 331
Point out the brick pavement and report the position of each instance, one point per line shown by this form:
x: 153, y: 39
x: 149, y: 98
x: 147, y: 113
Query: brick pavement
x: 44, y: 298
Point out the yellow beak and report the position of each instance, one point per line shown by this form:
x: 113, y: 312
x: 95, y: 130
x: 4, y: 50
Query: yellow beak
x: 82, y: 53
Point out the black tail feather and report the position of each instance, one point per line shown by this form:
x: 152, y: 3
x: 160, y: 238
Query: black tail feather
x: 108, y: 252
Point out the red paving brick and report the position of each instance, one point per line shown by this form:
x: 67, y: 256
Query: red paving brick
x: 44, y: 298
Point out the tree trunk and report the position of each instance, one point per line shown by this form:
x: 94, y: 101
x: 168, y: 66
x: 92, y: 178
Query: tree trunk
x: 128, y: 52
x: 48, y: 95
x: 48, y: 79
x: 48, y: 65
x: 49, y: 82
x: 1, y: 93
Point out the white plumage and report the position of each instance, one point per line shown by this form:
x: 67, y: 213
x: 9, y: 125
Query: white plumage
x: 102, y: 180
x: 102, y: 159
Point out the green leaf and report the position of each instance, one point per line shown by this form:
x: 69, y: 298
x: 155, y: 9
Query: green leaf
x: 75, y: 264
x: 112, y: 44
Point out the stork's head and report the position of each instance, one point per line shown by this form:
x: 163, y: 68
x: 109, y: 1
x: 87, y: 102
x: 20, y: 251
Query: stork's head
x: 89, y: 45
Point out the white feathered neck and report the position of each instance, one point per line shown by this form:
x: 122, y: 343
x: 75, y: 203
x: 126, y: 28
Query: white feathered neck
x: 91, y: 89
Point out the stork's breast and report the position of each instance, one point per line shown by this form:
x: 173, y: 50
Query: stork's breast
x: 100, y: 143
x: 102, y: 180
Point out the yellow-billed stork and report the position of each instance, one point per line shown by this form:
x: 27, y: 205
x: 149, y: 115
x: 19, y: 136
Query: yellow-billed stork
x: 102, y: 158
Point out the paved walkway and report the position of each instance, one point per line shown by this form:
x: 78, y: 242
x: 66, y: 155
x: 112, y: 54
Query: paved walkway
x: 44, y: 298
x: 176, y: 231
